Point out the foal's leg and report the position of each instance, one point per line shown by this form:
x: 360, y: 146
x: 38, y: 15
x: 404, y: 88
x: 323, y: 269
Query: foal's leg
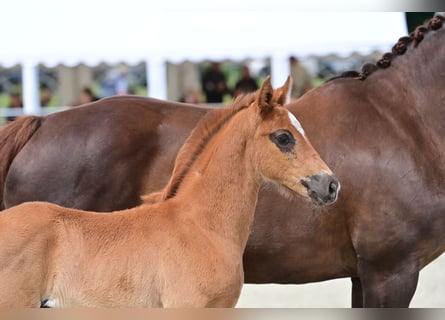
x: 198, y: 301
x: 24, y: 261
x: 21, y: 280
x: 196, y: 296
x: 16, y: 291
x: 390, y: 288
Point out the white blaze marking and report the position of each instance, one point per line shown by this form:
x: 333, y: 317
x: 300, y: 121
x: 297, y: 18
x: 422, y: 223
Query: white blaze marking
x: 296, y: 124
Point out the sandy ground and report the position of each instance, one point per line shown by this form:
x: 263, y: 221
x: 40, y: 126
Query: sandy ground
x: 430, y: 292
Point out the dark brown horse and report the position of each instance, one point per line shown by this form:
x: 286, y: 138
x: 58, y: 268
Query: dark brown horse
x: 381, y: 131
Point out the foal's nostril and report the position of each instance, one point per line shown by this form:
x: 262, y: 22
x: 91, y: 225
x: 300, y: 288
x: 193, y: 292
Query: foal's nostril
x: 333, y: 186
x: 333, y: 189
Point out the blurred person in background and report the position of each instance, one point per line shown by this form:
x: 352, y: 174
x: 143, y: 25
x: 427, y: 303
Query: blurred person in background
x: 86, y: 96
x: 121, y: 85
x: 246, y: 83
x: 301, y: 79
x: 192, y: 96
x: 15, y: 101
x: 45, y: 95
x: 214, y: 84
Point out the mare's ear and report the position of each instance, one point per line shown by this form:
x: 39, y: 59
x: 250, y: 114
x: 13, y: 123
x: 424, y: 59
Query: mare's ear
x: 282, y: 94
x: 264, y: 100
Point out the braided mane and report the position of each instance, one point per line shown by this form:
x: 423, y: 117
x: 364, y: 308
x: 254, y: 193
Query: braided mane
x: 399, y: 48
x: 207, y: 127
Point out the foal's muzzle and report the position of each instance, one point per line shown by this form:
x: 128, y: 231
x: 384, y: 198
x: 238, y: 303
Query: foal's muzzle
x: 323, y: 188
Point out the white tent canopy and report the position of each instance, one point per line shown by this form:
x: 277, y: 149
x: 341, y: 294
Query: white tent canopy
x: 71, y: 32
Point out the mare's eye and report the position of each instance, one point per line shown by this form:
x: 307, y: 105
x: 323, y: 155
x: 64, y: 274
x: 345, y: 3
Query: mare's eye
x: 283, y: 139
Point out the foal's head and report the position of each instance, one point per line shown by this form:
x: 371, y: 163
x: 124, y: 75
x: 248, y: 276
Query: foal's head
x: 281, y: 152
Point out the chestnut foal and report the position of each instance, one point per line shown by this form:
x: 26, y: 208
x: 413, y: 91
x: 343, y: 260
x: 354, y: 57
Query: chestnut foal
x: 183, y: 251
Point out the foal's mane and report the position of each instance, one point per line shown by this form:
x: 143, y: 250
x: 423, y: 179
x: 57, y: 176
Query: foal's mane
x: 399, y: 48
x: 206, y: 128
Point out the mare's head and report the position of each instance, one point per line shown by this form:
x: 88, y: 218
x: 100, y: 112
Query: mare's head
x: 281, y: 152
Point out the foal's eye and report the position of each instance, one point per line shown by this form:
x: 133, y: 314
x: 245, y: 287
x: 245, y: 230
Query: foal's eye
x: 283, y: 139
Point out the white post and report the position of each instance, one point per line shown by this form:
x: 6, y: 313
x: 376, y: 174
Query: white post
x: 280, y: 69
x: 157, y: 78
x: 30, y: 88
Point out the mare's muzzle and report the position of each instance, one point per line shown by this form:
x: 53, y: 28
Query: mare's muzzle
x: 323, y: 188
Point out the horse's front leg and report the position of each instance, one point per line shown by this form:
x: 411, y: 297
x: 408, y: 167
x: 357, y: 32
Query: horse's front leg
x: 388, y: 287
x: 357, y: 293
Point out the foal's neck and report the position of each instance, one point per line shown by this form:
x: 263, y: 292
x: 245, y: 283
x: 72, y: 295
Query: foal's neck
x: 222, y: 188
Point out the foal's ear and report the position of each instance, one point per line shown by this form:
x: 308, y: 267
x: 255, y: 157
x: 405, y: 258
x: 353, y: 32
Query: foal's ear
x: 264, y: 100
x: 282, y: 94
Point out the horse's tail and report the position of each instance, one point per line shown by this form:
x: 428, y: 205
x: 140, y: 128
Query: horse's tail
x: 13, y: 137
